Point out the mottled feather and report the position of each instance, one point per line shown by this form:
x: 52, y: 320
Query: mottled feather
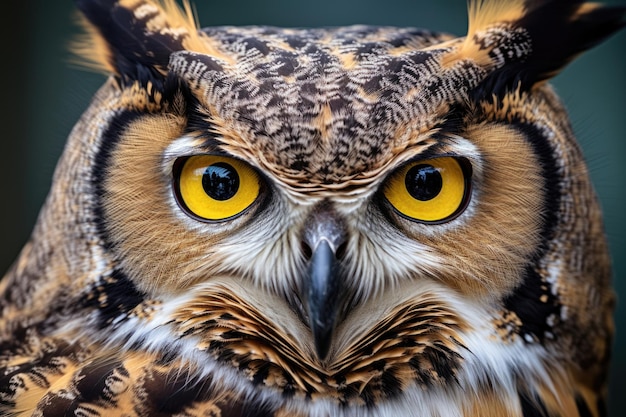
x: 126, y: 302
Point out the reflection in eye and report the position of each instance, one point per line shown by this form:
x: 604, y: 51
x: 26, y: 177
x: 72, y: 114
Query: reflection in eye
x: 210, y: 187
x: 430, y: 191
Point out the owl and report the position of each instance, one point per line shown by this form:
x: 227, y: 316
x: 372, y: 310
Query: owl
x: 349, y: 221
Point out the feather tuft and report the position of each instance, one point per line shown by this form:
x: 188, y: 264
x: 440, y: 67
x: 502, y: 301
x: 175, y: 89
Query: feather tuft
x: 483, y: 13
x: 124, y: 36
x: 521, y: 43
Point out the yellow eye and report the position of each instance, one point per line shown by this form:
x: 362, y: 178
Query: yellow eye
x: 430, y: 191
x: 215, y: 188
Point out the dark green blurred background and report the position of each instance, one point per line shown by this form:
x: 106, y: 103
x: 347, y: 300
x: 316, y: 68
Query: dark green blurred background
x: 43, y: 95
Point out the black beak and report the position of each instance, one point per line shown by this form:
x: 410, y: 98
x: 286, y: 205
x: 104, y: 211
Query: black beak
x: 323, y: 290
x: 322, y: 296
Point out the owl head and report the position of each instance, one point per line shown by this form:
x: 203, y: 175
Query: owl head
x: 357, y: 219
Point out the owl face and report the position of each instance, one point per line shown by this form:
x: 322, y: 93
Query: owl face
x: 344, y: 196
x: 258, y: 177
x: 349, y: 221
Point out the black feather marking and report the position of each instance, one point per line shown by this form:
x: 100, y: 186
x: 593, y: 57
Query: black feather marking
x: 601, y: 405
x: 58, y: 405
x: 534, y: 301
x: 37, y: 369
x: 533, y: 313
x: 391, y: 384
x: 134, y: 52
x: 167, y: 394
x: 551, y: 172
x: 92, y: 385
x: 532, y: 408
x: 247, y: 409
x: 582, y: 407
x: 113, y: 297
x: 170, y: 394
x: 99, y: 172
x: 168, y: 88
x: 557, y: 35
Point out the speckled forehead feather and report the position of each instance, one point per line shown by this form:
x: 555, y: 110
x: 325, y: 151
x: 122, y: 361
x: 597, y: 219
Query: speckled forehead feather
x: 330, y: 105
x: 325, y: 105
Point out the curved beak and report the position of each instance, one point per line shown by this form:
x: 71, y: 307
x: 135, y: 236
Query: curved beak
x: 325, y: 235
x: 322, y: 296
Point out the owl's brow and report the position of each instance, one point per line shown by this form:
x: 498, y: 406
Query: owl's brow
x: 192, y: 144
x: 441, y: 145
x: 189, y: 145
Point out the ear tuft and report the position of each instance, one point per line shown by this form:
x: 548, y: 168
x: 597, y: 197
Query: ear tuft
x: 128, y: 37
x: 524, y: 42
x: 576, y: 27
x: 485, y: 13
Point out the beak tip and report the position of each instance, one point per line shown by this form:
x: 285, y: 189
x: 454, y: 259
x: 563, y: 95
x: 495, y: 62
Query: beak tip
x: 322, y: 338
x: 322, y: 296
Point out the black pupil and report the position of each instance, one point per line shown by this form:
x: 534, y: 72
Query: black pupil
x: 423, y: 182
x: 220, y: 181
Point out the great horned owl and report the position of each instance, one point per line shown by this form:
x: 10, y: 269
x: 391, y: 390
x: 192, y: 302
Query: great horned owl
x: 353, y: 221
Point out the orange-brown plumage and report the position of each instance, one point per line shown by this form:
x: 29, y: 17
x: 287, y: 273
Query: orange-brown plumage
x: 322, y: 295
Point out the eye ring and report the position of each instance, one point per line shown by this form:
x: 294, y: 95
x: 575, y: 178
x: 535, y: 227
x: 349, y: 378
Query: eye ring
x: 214, y: 188
x: 431, y: 191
